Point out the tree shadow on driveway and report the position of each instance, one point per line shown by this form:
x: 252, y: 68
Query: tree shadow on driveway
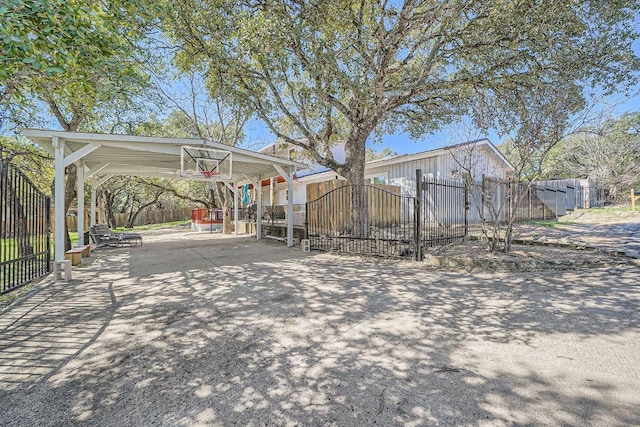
x: 202, y: 334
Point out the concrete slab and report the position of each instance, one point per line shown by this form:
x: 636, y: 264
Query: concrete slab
x: 195, y: 329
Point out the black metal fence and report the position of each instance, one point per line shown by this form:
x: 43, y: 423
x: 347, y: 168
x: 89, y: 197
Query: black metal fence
x: 272, y: 215
x: 389, y: 227
x: 443, y: 211
x: 25, y: 252
x: 496, y: 200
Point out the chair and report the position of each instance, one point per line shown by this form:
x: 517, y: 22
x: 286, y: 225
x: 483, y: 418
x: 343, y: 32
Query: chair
x: 102, y: 235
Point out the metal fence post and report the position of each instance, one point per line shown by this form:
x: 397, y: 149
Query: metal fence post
x: 466, y: 207
x: 482, y: 198
x: 416, y: 216
x: 47, y: 231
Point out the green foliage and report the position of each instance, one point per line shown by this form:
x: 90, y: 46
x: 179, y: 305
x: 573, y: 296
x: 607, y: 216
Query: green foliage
x: 76, y: 57
x: 340, y: 70
x: 608, y: 153
x: 48, y: 37
x: 34, y: 162
x: 372, y: 154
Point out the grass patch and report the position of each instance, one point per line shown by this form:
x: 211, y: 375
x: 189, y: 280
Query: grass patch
x: 10, y: 297
x: 608, y: 210
x: 153, y: 226
x: 9, y: 248
x: 547, y: 223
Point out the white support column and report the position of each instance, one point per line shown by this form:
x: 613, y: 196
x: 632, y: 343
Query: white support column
x: 92, y: 221
x: 80, y: 203
x: 272, y: 191
x: 290, y: 208
x: 288, y: 176
x: 59, y: 217
x: 235, y: 208
x: 259, y: 211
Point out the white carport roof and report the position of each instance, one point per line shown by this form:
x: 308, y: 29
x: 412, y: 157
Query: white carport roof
x: 150, y: 156
x: 106, y: 155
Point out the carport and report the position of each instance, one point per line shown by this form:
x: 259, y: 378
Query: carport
x: 98, y: 157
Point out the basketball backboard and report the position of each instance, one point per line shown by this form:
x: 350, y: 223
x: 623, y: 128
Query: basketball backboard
x: 205, y: 164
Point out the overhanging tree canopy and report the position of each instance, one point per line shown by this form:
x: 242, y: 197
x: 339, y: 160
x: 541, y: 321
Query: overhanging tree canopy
x: 319, y: 72
x: 340, y: 70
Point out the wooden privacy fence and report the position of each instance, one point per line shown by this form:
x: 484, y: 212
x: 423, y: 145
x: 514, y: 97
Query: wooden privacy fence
x: 157, y: 216
x: 72, y: 218
x: 337, y: 210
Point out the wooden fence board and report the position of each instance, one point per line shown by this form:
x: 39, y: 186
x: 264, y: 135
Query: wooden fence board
x: 381, y: 210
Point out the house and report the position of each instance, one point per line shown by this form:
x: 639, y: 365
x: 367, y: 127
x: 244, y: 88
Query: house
x: 473, y: 158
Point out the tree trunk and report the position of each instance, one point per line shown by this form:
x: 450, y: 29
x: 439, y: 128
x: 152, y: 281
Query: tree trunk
x: 133, y: 215
x: 111, y: 218
x: 227, y: 224
x: 130, y: 218
x: 355, y: 176
x: 225, y: 202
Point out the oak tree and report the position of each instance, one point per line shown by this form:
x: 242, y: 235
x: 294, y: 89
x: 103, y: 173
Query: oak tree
x: 320, y: 72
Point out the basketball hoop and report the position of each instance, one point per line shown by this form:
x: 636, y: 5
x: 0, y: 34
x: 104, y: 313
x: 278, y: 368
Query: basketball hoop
x: 206, y: 164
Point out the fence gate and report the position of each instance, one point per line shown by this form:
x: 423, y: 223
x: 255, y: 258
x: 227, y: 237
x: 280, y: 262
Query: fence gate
x: 445, y: 211
x: 24, y: 230
x: 388, y: 229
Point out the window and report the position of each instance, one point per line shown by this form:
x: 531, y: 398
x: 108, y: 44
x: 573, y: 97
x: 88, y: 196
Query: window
x: 379, y: 178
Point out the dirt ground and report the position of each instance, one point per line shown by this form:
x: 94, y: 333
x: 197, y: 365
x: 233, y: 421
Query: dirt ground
x: 583, y: 239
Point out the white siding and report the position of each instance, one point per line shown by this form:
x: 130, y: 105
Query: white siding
x: 483, y: 161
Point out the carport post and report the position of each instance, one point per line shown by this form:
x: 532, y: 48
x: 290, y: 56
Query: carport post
x: 259, y: 211
x: 59, y: 217
x: 290, y: 207
x: 235, y: 208
x: 288, y: 176
x: 80, y: 202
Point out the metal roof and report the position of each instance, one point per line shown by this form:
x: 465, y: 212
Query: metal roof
x: 151, y: 156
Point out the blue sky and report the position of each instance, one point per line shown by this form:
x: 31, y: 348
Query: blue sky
x: 259, y: 136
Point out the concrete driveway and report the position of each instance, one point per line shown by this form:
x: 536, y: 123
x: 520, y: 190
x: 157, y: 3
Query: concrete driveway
x: 195, y: 330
